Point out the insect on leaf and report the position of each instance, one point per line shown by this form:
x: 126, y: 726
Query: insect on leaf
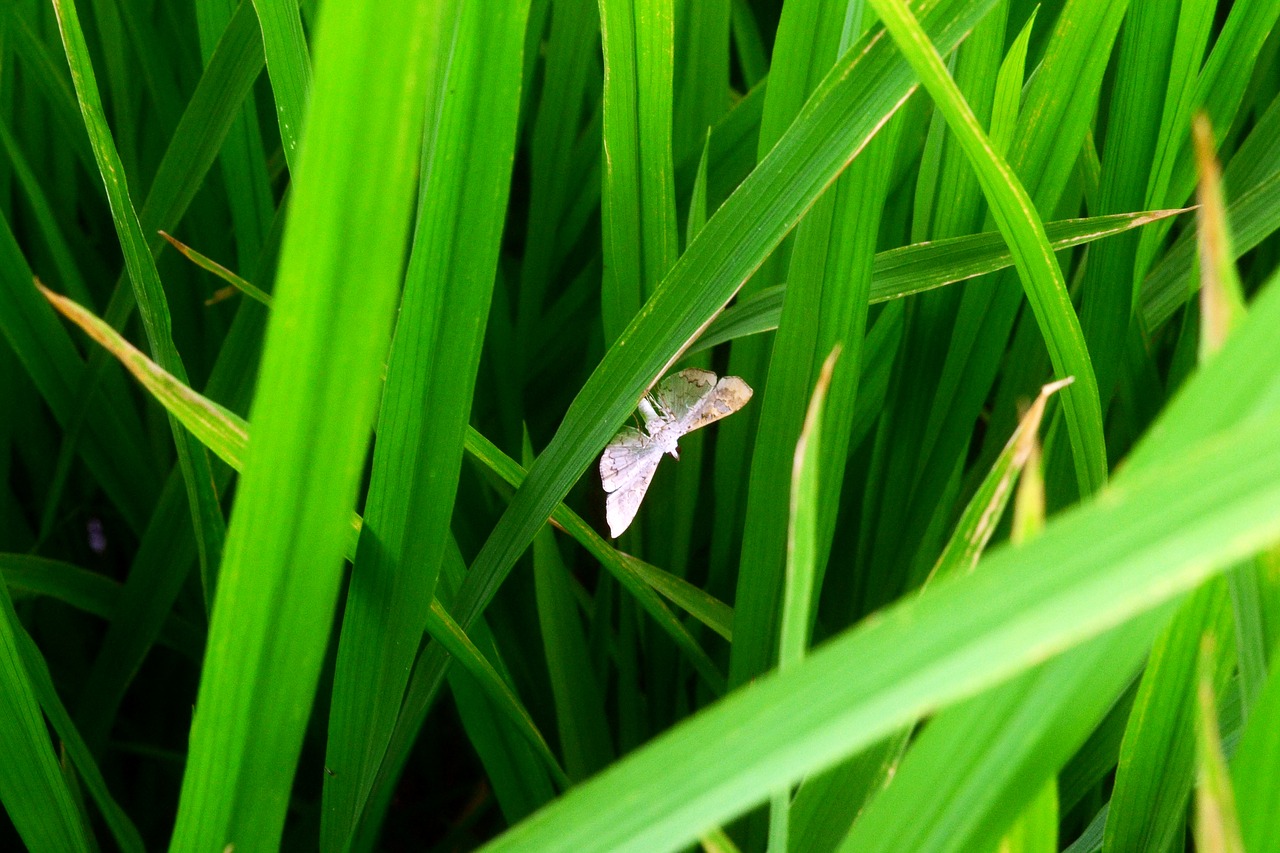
x: 681, y: 403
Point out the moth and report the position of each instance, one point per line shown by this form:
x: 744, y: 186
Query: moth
x: 681, y: 403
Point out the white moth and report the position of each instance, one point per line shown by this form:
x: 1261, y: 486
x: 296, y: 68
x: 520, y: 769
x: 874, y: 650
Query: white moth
x: 680, y: 404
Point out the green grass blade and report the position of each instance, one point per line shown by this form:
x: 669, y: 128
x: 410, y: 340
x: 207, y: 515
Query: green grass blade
x: 468, y: 149
x: 978, y: 521
x: 1019, y: 222
x: 579, y: 699
x: 829, y: 276
x: 802, y: 530
x: 1254, y: 770
x: 977, y: 766
x: 206, y: 514
x: 49, y: 74
x: 638, y: 208
x: 247, y: 288
x: 1158, y: 756
x: 32, y: 787
x: 441, y: 627
x: 122, y: 829
x: 110, y: 449
x: 1217, y: 828
x: 802, y: 558
x: 1093, y: 568
x: 921, y: 267
x: 315, y: 403
x: 1142, y: 78
x: 1052, y: 125
x: 91, y: 592
x: 289, y: 67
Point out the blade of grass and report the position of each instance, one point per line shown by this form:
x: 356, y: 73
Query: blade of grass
x: 244, y: 163
x: 978, y: 521
x: 289, y: 67
x: 91, y: 593
x: 579, y: 700
x: 1254, y: 768
x: 111, y: 450
x: 315, y: 403
x: 467, y: 152
x: 802, y: 558
x: 1094, y: 568
x: 638, y: 208
x: 1052, y: 123
x: 1217, y: 830
x: 1016, y: 215
x: 1142, y: 79
x: 75, y: 749
x: 32, y: 788
x: 206, y: 514
x: 825, y: 306
x: 247, y: 288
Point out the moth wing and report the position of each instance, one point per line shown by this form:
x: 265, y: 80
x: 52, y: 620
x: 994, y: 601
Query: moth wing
x: 626, y: 457
x: 621, y: 505
x: 681, y: 393
x: 728, y: 395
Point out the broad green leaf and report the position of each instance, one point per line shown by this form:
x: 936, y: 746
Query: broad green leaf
x: 314, y: 407
x: 467, y: 152
x: 1093, y: 568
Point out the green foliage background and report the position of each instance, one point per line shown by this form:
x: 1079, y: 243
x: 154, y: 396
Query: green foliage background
x: 300, y: 532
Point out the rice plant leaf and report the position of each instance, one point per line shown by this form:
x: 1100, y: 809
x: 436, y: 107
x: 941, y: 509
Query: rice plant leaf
x: 637, y: 205
x: 206, y: 513
x: 1014, y: 737
x: 579, y: 698
x: 315, y: 403
x: 802, y: 532
x: 288, y: 66
x: 247, y: 288
x: 1254, y: 768
x: 1143, y: 75
x: 90, y: 592
x: 121, y: 827
x: 32, y: 787
x: 520, y: 777
x: 1217, y: 90
x: 1036, y: 830
x: 50, y: 75
x: 468, y: 149
x: 802, y: 558
x: 978, y: 522
x: 442, y: 628
x: 111, y: 450
x: 1217, y: 829
x: 1094, y: 567
x: 1020, y: 224
x: 1052, y: 124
